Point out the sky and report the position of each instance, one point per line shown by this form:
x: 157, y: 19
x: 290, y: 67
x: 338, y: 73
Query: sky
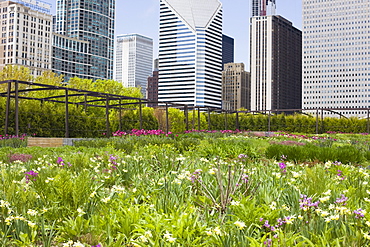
x: 142, y: 17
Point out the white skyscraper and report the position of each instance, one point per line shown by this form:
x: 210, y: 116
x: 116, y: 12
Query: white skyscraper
x: 190, y: 52
x: 134, y: 60
x: 263, y: 7
x: 336, y: 55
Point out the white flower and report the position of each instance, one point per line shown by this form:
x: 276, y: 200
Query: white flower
x: 273, y: 205
x: 32, y: 212
x: 235, y: 203
x: 217, y: 230
x: 93, y: 194
x: 105, y: 200
x: 327, y: 193
x: 169, y: 238
x: 78, y: 244
x: 240, y: 224
x: 31, y: 224
x: 80, y: 212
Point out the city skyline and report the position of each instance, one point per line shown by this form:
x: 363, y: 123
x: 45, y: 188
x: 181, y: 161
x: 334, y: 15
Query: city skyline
x: 143, y: 17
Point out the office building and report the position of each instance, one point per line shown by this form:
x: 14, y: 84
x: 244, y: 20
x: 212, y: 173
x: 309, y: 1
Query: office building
x: 152, y: 89
x: 190, y: 52
x: 336, y: 48
x: 235, y: 87
x: 71, y: 57
x: 89, y: 21
x: 227, y: 50
x: 276, y: 64
x: 26, y: 35
x: 263, y: 7
x: 134, y: 60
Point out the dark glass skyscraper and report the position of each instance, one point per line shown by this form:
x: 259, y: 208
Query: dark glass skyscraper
x: 227, y: 49
x: 92, y: 21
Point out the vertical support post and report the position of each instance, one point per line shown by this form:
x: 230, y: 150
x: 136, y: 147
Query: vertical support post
x: 199, y: 118
x: 107, y: 117
x: 317, y: 121
x: 16, y: 109
x: 209, y: 119
x: 269, y: 122
x: 368, y: 123
x: 141, y: 114
x: 193, y: 120
x: 187, y: 117
x: 225, y: 119
x: 167, y: 122
x: 67, y: 115
x: 237, y: 120
x: 85, y: 103
x: 322, y: 121
x: 7, y: 110
x: 120, y: 115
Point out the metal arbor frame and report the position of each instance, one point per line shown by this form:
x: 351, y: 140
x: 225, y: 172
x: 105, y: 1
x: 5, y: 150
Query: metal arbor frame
x: 13, y: 91
x: 68, y: 93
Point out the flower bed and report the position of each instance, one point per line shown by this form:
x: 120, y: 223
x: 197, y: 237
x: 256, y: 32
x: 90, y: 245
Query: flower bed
x: 221, y: 191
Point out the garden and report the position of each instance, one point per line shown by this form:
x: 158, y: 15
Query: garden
x: 197, y: 188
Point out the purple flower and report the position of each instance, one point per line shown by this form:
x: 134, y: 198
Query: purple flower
x: 342, y: 200
x: 60, y: 161
x: 29, y: 175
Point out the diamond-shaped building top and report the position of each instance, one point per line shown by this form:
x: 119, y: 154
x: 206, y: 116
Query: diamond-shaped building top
x: 195, y: 13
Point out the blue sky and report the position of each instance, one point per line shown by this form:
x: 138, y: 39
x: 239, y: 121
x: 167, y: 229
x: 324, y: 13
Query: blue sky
x: 142, y: 16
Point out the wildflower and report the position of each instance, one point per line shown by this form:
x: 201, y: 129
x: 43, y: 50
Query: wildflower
x: 324, y: 199
x: 367, y: 223
x: 31, y: 224
x: 342, y: 200
x: 105, y: 200
x: 273, y: 205
x: 286, y: 207
x: 327, y: 193
x: 324, y: 213
x: 289, y: 220
x: 240, y: 224
x: 78, y: 244
x: 235, y: 203
x: 148, y: 234
x: 68, y: 244
x: 169, y: 238
x: 360, y: 213
x: 80, y: 212
x: 143, y: 239
x: 32, y: 212
x: 217, y: 230
x: 92, y: 195
x: 367, y: 236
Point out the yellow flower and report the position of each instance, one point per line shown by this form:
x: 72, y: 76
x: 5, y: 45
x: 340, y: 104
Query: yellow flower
x: 217, y: 230
x: 240, y: 224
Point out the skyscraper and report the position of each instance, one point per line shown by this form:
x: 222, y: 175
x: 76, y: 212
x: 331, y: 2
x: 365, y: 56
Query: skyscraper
x: 276, y: 64
x: 235, y: 87
x: 263, y: 7
x: 134, y: 60
x: 336, y: 55
x: 26, y: 35
x: 190, y: 52
x: 227, y: 49
x: 91, y: 21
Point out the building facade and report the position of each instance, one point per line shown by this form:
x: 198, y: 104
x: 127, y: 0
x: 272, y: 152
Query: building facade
x: 263, y: 7
x: 336, y: 55
x: 71, y: 57
x: 93, y: 22
x: 227, y: 50
x: 134, y: 60
x: 152, y: 89
x: 190, y: 52
x: 276, y: 64
x: 26, y: 36
x: 235, y: 87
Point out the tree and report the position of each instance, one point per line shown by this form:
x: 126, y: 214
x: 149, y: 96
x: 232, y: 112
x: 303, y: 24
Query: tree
x: 15, y: 72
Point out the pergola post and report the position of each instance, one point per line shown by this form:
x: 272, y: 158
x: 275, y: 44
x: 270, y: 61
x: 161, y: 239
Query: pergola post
x: 237, y: 120
x: 7, y: 109
x: 199, y: 118
x: 322, y: 121
x: 67, y: 115
x: 317, y: 121
x: 107, y: 117
x: 141, y: 114
x: 193, y: 120
x: 187, y: 117
x: 16, y: 109
x: 120, y: 116
x: 368, y: 123
x: 167, y: 122
x: 225, y: 119
x: 209, y: 119
x: 269, y: 122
